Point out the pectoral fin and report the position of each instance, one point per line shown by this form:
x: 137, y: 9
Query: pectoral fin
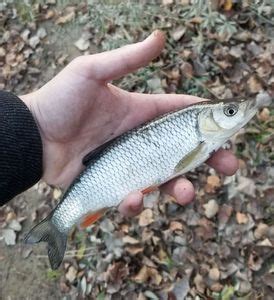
x: 190, y: 160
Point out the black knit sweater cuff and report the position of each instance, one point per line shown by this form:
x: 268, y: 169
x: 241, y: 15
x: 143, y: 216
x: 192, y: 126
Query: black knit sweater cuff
x: 20, y: 147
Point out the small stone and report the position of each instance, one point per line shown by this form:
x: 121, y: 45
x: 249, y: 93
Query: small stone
x: 211, y: 208
x: 82, y: 44
x: 41, y: 33
x: 34, y: 41
x: 15, y: 225
x: 9, y: 237
x: 25, y: 35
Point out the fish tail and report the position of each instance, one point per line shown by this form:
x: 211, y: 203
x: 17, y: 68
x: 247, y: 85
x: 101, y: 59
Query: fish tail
x: 46, y: 231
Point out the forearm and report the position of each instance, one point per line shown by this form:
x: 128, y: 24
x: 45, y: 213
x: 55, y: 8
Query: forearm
x: 20, y: 148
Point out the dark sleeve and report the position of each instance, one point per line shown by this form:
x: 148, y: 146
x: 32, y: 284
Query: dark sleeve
x: 20, y: 148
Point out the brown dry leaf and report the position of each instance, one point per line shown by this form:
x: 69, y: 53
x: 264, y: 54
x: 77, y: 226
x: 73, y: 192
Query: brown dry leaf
x: 154, y: 276
x: 213, y: 182
x: 187, y: 69
x: 133, y: 250
x: 142, y: 275
x: 199, y: 283
x: 224, y: 214
x: 255, y: 262
x: 228, y: 5
x: 246, y: 186
x: 146, y: 217
x: 254, y: 85
x: 211, y: 208
x: 261, y: 231
x: 57, y: 193
x: 241, y: 218
x: 214, y: 274
x: 224, y: 64
x: 66, y: 18
x: 167, y: 2
x: 268, y: 279
x: 117, y: 272
x: 178, y: 33
x: 174, y: 225
x: 264, y: 114
x: 130, y: 240
x: 71, y: 274
x: 147, y: 273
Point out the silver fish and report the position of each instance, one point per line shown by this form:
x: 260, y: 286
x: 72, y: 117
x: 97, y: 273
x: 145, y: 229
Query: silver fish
x: 142, y: 159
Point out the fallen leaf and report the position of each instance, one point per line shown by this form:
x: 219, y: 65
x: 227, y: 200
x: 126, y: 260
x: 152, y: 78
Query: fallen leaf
x: 214, y: 274
x: 174, y: 225
x: 146, y: 217
x: 130, y: 240
x: 167, y: 2
x: 57, y: 193
x: 133, y: 250
x: 199, y: 283
x: 268, y: 279
x: 142, y: 275
x: 228, y: 5
x: 224, y: 214
x: 66, y: 18
x: 261, y: 230
x: 241, y: 218
x: 264, y: 114
x: 180, y: 289
x: 211, y: 208
x: 236, y: 51
x: 178, y: 33
x: 71, y: 274
x: 246, y: 186
x: 255, y: 262
x: 213, y: 182
x: 254, y: 85
x: 187, y: 69
x: 82, y: 44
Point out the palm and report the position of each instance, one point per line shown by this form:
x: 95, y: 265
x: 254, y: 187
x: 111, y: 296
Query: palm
x: 78, y: 110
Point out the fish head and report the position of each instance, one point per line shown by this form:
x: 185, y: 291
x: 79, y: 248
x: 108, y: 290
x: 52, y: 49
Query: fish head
x: 220, y: 120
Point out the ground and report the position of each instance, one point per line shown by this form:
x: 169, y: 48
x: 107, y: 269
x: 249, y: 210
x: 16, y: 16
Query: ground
x: 218, y: 247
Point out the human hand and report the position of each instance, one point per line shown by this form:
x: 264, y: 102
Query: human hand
x: 79, y: 109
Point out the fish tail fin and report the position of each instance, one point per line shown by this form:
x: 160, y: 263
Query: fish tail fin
x: 46, y: 231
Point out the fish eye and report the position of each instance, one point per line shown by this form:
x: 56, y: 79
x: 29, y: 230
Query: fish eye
x: 231, y: 110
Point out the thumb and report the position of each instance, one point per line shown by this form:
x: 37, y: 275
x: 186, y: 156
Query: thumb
x: 113, y: 64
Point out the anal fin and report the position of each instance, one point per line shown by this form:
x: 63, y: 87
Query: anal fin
x: 92, y: 217
x: 149, y: 189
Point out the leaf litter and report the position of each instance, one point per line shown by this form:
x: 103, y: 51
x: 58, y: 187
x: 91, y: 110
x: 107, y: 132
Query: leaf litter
x: 220, y: 246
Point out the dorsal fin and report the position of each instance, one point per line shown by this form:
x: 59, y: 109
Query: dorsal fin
x: 95, y: 152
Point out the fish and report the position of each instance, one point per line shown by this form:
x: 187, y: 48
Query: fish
x: 141, y: 159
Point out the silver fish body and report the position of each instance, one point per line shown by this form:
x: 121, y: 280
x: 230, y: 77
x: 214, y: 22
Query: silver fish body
x: 146, y: 156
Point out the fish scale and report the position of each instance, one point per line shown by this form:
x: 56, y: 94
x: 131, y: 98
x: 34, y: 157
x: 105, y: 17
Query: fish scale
x: 141, y: 159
